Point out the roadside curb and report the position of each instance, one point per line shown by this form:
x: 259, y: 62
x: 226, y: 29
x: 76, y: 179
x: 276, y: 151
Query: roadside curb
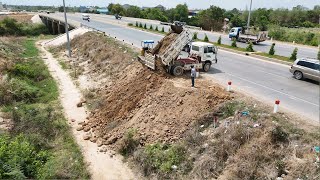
x: 250, y: 54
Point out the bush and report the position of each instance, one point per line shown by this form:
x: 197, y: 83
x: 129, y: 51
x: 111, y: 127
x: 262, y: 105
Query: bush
x: 272, y: 51
x: 160, y: 157
x: 151, y: 28
x: 162, y: 30
x: 279, y: 135
x: 145, y: 26
x: 206, y: 39
x: 234, y: 42
x: 156, y: 28
x: 129, y: 144
x: 319, y: 54
x: 130, y: 24
x: 294, y: 54
x: 140, y: 25
x: 10, y: 26
x: 219, y: 40
x: 195, y: 36
x: 249, y: 48
x: 137, y: 24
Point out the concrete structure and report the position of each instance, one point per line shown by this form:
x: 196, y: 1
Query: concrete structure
x: 55, y: 26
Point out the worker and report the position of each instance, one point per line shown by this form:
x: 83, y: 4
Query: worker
x: 193, y: 74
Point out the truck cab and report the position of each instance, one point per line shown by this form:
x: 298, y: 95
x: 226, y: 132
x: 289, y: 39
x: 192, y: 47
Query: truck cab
x: 234, y: 32
x: 206, y: 51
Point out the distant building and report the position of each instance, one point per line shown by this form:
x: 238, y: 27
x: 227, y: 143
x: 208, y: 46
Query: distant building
x: 1, y: 6
x: 83, y: 9
x: 103, y: 11
x: 162, y: 8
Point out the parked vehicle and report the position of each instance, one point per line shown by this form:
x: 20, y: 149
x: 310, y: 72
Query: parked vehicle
x: 201, y: 55
x: 248, y: 35
x: 306, y: 68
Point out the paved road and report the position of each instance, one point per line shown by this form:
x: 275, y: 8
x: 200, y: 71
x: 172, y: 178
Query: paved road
x: 283, y: 49
x: 266, y: 81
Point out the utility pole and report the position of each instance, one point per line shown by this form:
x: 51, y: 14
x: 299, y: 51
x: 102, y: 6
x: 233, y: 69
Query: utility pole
x: 248, y: 23
x: 67, y: 29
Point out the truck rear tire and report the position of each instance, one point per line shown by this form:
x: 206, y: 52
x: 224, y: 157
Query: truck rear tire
x: 206, y: 67
x: 177, y: 70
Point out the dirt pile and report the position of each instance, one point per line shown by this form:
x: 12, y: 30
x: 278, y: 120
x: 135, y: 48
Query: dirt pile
x: 132, y: 96
x: 164, y: 43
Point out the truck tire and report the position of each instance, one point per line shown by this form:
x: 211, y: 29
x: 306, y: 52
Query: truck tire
x: 177, y: 70
x: 206, y: 67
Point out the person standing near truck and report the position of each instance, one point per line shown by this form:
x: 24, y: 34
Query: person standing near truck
x: 193, y: 75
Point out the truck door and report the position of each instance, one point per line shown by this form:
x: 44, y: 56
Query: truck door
x: 209, y: 53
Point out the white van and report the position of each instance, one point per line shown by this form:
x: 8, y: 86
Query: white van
x: 85, y: 17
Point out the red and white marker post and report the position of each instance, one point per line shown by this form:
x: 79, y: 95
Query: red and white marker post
x: 276, y: 106
x: 229, y: 86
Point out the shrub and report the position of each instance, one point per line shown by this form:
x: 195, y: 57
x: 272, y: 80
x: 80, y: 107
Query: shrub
x: 145, y: 26
x: 137, y: 24
x: 151, y: 28
x: 156, y: 28
x: 272, y: 51
x: 195, y: 36
x: 279, y: 135
x: 160, y: 157
x: 162, y: 30
x: 219, y: 40
x: 249, y: 48
x: 318, y: 54
x: 234, y: 42
x: 130, y: 24
x: 140, y: 25
x: 294, y: 54
x: 206, y: 39
x: 129, y: 144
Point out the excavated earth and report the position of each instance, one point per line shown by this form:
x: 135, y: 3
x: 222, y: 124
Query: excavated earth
x: 159, y: 107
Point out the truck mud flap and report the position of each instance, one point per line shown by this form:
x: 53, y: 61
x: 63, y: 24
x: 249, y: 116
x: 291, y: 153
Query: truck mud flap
x: 148, y: 60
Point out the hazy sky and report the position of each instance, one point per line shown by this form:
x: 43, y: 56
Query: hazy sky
x: 202, y: 4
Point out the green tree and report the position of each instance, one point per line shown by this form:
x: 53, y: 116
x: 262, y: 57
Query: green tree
x: 145, y: 26
x: 134, y: 11
x: 319, y: 54
x: 272, y: 51
x: 206, y: 39
x: 118, y: 9
x: 151, y: 28
x: 60, y: 9
x: 219, y: 40
x: 294, y: 54
x: 110, y: 6
x: 195, y: 36
x: 181, y: 13
x: 234, y: 42
x: 249, y: 48
x: 157, y: 28
x: 162, y: 30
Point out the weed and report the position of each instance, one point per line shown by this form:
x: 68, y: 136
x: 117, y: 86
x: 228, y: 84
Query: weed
x: 279, y: 135
x: 129, y: 143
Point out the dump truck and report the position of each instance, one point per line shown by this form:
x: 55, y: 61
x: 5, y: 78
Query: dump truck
x: 177, y: 53
x: 248, y: 35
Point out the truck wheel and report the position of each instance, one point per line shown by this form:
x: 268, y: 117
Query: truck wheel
x: 206, y: 67
x: 177, y: 70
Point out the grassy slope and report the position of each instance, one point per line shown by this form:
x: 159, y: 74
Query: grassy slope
x: 49, y: 151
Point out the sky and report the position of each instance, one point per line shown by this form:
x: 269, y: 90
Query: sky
x: 193, y: 4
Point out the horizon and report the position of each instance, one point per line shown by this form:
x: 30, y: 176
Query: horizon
x: 269, y: 4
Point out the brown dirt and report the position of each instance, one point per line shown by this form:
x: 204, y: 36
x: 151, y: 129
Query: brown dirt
x: 164, y: 43
x: 24, y: 18
x: 160, y: 108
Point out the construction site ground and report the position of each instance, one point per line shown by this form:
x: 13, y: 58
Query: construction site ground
x: 124, y: 97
